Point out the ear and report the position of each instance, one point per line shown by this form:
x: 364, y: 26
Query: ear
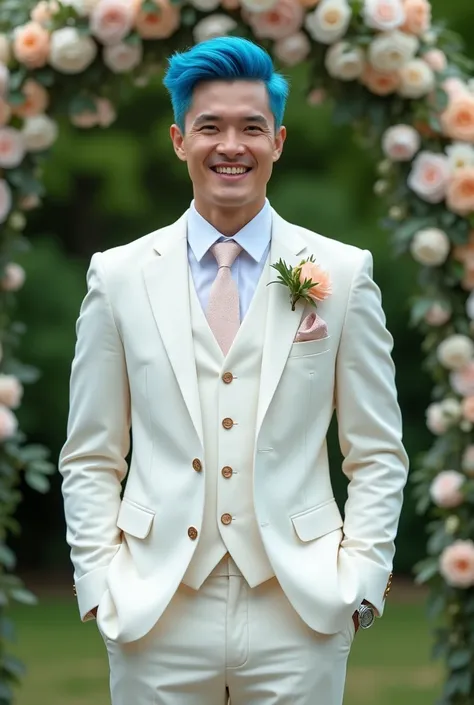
x: 177, y: 139
x: 280, y: 137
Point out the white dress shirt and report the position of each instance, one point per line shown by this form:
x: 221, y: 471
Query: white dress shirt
x: 254, y: 238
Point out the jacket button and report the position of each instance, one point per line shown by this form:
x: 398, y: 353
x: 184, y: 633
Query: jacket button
x: 197, y: 465
x: 227, y: 377
x: 74, y: 591
x: 192, y: 533
x: 226, y: 519
x: 226, y: 472
x: 227, y: 423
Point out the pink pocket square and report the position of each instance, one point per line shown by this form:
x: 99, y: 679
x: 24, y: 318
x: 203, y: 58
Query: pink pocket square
x: 313, y: 327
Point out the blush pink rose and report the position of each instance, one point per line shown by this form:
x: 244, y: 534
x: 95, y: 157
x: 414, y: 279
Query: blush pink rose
x: 437, y: 315
x: 456, y: 564
x: 400, y: 143
x: 12, y: 148
x: 8, y: 423
x: 323, y: 286
x: 462, y: 381
x: 5, y: 200
x: 317, y: 96
x: 13, y: 277
x: 112, y: 20
x: 457, y: 121
x: 44, y: 11
x: 31, y: 45
x: 283, y: 20
x: 436, y: 59
x: 429, y: 176
x: 11, y: 391
x: 418, y: 16
x: 445, y: 490
x: 36, y: 100
x: 383, y: 15
x: 378, y: 82
x: 106, y: 113
x: 460, y: 193
x: 160, y: 24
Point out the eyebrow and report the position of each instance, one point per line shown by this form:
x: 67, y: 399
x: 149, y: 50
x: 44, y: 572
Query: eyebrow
x: 207, y: 117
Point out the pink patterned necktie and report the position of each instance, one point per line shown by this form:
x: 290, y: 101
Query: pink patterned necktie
x: 223, y: 312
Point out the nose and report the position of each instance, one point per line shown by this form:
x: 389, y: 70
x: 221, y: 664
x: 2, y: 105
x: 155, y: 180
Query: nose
x: 230, y: 145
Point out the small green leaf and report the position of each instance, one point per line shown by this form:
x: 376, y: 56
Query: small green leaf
x: 24, y: 596
x: 37, y: 482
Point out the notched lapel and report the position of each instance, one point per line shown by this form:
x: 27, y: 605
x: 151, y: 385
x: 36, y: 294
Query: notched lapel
x: 167, y: 283
x: 282, y: 323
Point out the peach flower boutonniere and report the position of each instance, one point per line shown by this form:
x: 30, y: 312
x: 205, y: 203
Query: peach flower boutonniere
x: 307, y: 281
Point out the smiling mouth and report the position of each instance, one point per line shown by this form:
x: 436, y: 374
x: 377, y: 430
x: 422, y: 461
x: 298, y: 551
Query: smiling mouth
x: 232, y: 172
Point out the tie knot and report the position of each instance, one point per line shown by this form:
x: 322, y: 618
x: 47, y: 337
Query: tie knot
x: 226, y: 252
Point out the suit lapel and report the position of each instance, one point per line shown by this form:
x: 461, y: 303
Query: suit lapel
x: 167, y: 283
x: 282, y: 323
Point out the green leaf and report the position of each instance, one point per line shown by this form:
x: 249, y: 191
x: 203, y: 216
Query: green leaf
x: 459, y: 659
x: 7, y: 557
x: 14, y: 665
x: 24, y: 596
x: 81, y: 104
x: 425, y: 569
x: 37, y: 481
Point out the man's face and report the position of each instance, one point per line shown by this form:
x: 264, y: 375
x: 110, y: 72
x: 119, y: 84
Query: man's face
x: 229, y: 143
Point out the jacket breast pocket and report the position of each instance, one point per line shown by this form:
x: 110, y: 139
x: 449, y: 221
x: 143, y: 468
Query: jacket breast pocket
x: 134, y: 519
x: 306, y: 348
x: 317, y: 521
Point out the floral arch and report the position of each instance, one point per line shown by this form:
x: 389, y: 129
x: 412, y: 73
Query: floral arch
x: 402, y: 81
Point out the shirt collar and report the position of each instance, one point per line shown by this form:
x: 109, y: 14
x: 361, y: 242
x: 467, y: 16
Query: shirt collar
x: 253, y: 238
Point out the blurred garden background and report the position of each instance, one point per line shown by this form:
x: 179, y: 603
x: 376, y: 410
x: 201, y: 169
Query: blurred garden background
x: 108, y: 187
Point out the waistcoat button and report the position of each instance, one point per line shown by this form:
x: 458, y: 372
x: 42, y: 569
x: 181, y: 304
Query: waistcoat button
x: 227, y: 423
x: 197, y: 465
x: 227, y: 377
x: 192, y: 533
x: 226, y: 472
x: 226, y: 519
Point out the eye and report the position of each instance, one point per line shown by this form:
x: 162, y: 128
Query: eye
x: 208, y: 127
x: 254, y: 127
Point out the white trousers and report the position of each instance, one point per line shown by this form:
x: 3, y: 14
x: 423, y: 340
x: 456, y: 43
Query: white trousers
x: 227, y: 639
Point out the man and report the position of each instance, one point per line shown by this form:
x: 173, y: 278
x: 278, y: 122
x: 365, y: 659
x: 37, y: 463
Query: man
x: 226, y: 567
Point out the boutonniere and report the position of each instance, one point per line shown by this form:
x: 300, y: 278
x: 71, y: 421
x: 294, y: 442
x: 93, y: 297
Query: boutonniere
x: 307, y: 281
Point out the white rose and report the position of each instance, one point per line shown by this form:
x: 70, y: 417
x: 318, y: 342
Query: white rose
x: 417, y: 79
x: 329, y: 21
x: 391, y: 50
x: 429, y: 176
x: 436, y: 421
x: 121, y: 58
x: 205, y: 5
x: 451, y: 410
x: 70, y: 52
x: 455, y: 352
x: 4, y: 49
x: 400, y: 143
x: 213, y: 26
x: 383, y: 15
x: 460, y: 155
x: 39, y: 133
x: 430, y: 247
x: 292, y: 50
x: 345, y: 61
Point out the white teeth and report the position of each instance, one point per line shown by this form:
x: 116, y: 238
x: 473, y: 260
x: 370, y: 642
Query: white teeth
x: 230, y: 170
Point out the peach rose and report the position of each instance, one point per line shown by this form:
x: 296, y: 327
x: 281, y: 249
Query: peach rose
x: 323, y: 287
x: 36, y: 100
x: 460, y: 193
x: 383, y: 15
x: 457, y: 120
x: 11, y: 391
x: 5, y: 200
x: 468, y: 408
x: 418, y: 16
x: 160, y: 24
x: 456, y: 564
x: 380, y: 83
x: 429, y: 176
x: 44, y: 11
x: 8, y: 423
x: 12, y: 148
x: 31, y: 45
x: 13, y: 277
x: 5, y: 112
x: 283, y: 20
x: 436, y: 59
x: 112, y: 20
x: 445, y: 490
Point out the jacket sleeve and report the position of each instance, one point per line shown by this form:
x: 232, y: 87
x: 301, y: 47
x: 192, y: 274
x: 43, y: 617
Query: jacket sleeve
x: 92, y: 461
x: 370, y: 436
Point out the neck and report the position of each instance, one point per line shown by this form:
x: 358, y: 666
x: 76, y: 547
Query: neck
x: 228, y: 221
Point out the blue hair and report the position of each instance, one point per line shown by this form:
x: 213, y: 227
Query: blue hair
x: 223, y: 59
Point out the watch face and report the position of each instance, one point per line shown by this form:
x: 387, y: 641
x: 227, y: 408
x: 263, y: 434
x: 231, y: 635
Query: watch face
x: 366, y: 617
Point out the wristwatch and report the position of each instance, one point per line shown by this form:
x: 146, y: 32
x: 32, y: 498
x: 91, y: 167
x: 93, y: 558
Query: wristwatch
x: 364, y: 617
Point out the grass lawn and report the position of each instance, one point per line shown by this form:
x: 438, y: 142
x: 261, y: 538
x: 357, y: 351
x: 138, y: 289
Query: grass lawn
x: 67, y: 662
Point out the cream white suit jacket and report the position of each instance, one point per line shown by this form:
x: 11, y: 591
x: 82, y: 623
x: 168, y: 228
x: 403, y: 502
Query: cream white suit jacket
x: 134, y: 368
